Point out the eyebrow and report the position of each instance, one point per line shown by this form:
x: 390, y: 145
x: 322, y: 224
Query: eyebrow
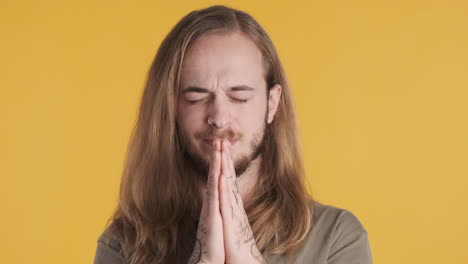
x: 196, y: 89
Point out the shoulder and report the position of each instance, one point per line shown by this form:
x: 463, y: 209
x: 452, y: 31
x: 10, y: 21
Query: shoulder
x: 339, y: 219
x: 337, y: 237
x: 109, y: 247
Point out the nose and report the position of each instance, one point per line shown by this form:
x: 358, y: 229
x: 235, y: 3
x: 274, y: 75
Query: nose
x: 219, y: 114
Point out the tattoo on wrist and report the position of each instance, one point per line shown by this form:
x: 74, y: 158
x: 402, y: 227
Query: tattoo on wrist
x: 256, y: 254
x: 235, y: 196
x: 197, y: 253
x: 200, y: 243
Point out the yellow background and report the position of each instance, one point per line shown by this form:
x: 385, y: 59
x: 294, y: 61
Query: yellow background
x: 381, y: 89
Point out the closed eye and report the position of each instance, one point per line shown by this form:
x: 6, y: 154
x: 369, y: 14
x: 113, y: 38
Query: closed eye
x: 236, y: 101
x: 239, y: 101
x: 195, y: 101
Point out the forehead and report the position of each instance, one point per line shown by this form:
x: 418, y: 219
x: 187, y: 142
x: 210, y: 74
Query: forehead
x: 223, y: 59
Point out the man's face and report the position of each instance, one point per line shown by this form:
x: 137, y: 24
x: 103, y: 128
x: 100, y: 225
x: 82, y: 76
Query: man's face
x: 222, y: 94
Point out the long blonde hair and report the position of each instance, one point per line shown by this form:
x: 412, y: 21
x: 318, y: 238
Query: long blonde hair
x: 159, y: 201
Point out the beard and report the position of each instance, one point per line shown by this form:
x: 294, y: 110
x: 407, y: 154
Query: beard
x: 201, y: 165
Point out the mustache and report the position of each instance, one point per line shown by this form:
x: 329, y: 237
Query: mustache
x: 218, y: 134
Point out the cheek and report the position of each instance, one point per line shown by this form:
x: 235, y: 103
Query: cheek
x: 251, y: 120
x: 188, y: 120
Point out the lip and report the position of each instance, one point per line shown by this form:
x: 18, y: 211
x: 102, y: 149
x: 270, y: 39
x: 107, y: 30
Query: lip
x: 210, y: 141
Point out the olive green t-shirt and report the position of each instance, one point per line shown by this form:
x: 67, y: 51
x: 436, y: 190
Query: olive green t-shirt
x: 337, y: 237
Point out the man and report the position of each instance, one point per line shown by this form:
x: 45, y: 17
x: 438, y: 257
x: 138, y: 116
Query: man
x: 213, y: 172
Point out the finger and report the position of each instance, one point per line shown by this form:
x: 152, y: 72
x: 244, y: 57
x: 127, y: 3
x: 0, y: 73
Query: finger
x: 225, y: 166
x: 231, y: 167
x: 234, y: 192
x: 225, y: 186
x: 213, y: 179
x: 231, y: 242
x: 215, y: 169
